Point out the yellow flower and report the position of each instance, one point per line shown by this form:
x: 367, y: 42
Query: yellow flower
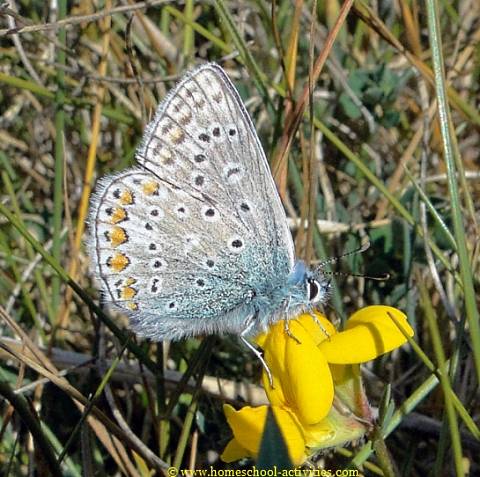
x: 317, y: 396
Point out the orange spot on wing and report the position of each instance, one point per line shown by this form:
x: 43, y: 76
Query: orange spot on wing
x: 150, y: 187
x: 117, y: 236
x: 126, y: 198
x: 118, y: 215
x: 118, y: 262
x: 128, y: 293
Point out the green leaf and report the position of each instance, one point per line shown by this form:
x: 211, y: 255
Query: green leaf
x: 273, y: 449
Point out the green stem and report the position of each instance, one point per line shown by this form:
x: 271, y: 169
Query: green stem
x: 32, y: 423
x: 444, y: 381
x: 59, y: 154
x: 450, y: 152
x: 384, y: 459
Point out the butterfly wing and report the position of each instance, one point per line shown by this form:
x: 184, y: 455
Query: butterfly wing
x: 190, y: 237
x: 203, y: 139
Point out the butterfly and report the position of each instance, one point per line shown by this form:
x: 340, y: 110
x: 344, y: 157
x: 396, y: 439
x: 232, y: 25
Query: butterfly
x: 194, y: 239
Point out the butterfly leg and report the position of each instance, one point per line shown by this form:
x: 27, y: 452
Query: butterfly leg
x: 286, y: 322
x: 317, y: 321
x: 249, y: 324
x: 286, y: 327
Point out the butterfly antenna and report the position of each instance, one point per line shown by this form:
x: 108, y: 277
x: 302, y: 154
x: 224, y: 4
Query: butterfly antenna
x: 379, y: 278
x: 365, y: 246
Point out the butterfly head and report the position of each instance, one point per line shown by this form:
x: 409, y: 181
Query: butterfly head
x: 317, y: 287
x: 312, y: 284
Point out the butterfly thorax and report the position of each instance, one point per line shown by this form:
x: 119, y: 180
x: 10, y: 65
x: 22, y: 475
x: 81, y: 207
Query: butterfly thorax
x: 289, y: 296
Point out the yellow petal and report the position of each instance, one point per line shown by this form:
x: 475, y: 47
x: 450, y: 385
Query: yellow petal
x: 339, y: 372
x: 379, y: 314
x: 260, y: 339
x: 307, y: 383
x: 370, y: 332
x: 301, y: 376
x: 274, y: 354
x: 234, y: 451
x: 247, y: 426
x: 274, y: 393
x: 320, y: 329
x: 292, y: 434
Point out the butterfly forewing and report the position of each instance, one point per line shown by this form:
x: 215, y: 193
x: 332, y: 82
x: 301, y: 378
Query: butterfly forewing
x: 203, y: 140
x: 186, y: 239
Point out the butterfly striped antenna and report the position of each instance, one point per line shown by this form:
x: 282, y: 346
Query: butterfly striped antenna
x: 378, y: 278
x: 363, y: 248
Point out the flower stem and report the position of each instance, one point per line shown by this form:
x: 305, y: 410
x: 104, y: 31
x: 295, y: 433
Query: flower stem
x: 384, y: 459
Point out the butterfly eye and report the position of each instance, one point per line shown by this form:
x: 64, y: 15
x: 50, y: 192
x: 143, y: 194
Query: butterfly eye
x: 313, y: 289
